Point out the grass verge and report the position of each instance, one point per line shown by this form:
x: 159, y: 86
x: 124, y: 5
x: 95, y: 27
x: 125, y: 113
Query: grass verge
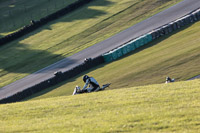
x: 174, y: 55
x: 72, y: 33
x: 14, y: 14
x: 154, y: 108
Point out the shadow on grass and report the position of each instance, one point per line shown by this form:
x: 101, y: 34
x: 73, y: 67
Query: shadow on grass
x: 100, y: 66
x: 83, y: 13
x: 17, y: 13
x: 63, y: 83
x: 86, y: 13
x: 19, y: 58
x: 156, y: 41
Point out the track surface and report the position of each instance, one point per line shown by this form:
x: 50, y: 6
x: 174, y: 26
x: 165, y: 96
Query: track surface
x: 143, y: 27
x: 196, y: 77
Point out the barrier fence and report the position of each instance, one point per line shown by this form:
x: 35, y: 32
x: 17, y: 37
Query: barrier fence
x: 36, y: 24
x: 145, y: 39
x: 128, y: 47
x: 57, y: 78
x: 107, y: 57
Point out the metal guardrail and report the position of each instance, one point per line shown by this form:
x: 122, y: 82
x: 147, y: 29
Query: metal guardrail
x: 107, y: 57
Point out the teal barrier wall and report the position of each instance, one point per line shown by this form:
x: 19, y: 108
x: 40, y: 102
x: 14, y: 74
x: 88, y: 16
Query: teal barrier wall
x: 114, y: 54
x: 145, y: 39
x: 128, y: 47
x: 124, y: 49
x: 132, y: 45
x: 119, y: 52
x: 108, y: 57
x: 137, y: 45
x: 149, y: 38
x: 141, y: 41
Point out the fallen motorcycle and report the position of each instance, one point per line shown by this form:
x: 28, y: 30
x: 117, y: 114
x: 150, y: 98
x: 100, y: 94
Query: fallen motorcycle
x: 77, y: 89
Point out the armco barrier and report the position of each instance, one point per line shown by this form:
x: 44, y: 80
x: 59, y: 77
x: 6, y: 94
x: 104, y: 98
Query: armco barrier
x: 182, y: 22
x: 177, y: 22
x: 119, y: 52
x: 175, y: 27
x: 141, y: 41
x: 36, y: 24
x: 161, y: 31
x: 170, y: 28
x: 137, y: 43
x: 166, y: 29
x: 146, y: 39
x: 149, y: 38
x: 186, y: 19
x: 54, y: 80
x: 198, y: 15
x: 107, y: 57
x: 114, y: 54
x: 124, y: 49
x: 132, y: 45
x: 128, y: 47
x: 154, y: 34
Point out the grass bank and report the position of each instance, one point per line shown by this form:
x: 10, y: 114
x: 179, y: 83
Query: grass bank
x: 176, y: 55
x: 14, y: 14
x: 72, y: 33
x: 154, y: 108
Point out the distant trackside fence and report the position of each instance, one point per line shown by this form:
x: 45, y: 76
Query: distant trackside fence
x: 156, y: 33
x: 108, y: 57
x: 36, y: 24
x: 59, y: 77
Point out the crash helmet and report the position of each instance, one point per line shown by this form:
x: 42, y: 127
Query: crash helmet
x: 85, y: 77
x: 167, y: 78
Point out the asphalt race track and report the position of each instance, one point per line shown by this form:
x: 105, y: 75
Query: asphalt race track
x: 141, y: 28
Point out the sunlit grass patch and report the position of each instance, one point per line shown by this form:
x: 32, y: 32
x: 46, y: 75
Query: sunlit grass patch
x: 154, y: 108
x: 72, y: 33
x: 175, y: 55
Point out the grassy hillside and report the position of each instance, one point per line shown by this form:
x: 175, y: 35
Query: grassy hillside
x: 72, y: 33
x: 154, y: 108
x: 14, y: 14
x: 177, y: 56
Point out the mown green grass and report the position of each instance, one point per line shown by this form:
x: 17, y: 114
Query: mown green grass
x: 14, y: 14
x: 176, y: 55
x: 72, y: 33
x: 155, y: 108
